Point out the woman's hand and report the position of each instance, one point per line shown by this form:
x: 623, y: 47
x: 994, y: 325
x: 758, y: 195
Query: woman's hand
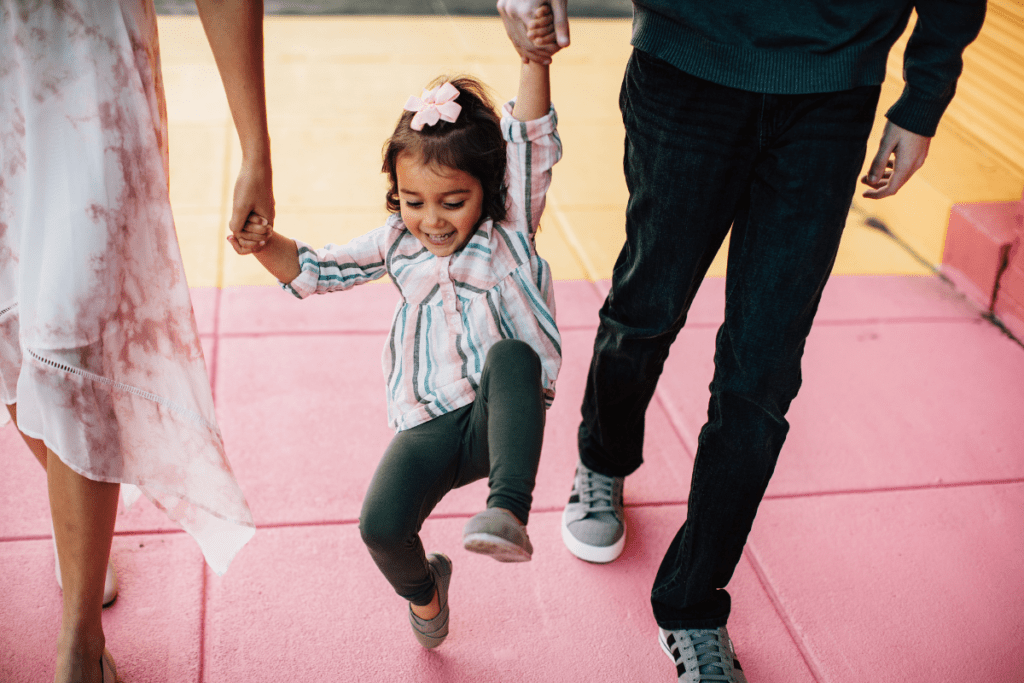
x: 253, y: 236
x: 252, y: 211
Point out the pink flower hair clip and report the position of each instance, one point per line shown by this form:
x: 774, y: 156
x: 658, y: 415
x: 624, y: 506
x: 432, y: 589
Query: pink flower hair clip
x: 433, y: 106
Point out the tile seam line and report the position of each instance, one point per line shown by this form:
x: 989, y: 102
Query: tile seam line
x: 783, y: 614
x: 549, y: 509
x: 897, y: 489
x: 216, y: 334
x: 204, y: 596
x: 910, y: 320
x: 852, y: 322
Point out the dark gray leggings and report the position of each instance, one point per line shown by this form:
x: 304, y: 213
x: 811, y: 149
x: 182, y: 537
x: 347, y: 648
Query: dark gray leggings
x: 498, y: 436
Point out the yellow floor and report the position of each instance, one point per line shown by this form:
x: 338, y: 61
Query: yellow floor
x: 335, y: 87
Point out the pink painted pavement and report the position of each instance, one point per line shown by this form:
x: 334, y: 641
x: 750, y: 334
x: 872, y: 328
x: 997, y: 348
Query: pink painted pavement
x: 889, y: 547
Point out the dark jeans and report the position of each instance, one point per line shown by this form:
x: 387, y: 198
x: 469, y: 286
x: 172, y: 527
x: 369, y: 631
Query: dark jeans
x: 498, y: 436
x: 781, y: 170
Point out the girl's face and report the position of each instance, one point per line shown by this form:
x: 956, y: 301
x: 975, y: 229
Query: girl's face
x: 441, y: 206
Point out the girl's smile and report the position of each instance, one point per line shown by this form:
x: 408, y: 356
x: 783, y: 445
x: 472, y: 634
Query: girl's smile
x: 440, y: 206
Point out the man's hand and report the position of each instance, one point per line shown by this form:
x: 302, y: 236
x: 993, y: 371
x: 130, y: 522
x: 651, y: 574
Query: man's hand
x: 516, y: 14
x: 899, y: 156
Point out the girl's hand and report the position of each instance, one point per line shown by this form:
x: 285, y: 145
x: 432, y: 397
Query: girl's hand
x: 541, y: 28
x: 253, y: 236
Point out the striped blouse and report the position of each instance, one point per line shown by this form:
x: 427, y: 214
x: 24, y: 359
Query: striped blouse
x: 454, y: 308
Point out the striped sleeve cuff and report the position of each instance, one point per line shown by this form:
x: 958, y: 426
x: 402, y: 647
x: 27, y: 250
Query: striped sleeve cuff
x: 515, y: 130
x: 305, y: 284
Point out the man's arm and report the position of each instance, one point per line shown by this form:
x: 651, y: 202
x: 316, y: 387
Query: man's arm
x: 933, y: 61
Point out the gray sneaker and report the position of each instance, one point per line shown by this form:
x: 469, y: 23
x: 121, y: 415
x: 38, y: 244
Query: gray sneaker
x: 431, y: 632
x: 702, y: 655
x: 497, y: 533
x: 593, y: 523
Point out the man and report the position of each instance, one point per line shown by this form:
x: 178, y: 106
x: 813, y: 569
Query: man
x: 754, y: 115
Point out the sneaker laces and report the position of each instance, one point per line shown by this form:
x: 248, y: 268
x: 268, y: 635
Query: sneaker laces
x: 710, y: 655
x: 595, y: 490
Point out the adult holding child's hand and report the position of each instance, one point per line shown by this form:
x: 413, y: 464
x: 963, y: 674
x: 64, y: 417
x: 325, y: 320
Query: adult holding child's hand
x: 517, y: 15
x: 241, y: 67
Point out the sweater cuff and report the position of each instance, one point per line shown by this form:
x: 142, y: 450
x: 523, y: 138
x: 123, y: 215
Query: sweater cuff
x: 918, y: 114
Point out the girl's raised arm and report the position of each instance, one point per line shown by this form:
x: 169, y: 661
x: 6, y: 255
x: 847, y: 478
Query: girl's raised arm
x: 234, y: 29
x: 534, y: 99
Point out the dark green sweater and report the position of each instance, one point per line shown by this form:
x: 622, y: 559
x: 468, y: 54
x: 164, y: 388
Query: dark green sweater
x: 811, y: 46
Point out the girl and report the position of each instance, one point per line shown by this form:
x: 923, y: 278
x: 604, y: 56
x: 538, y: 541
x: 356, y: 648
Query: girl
x: 473, y: 352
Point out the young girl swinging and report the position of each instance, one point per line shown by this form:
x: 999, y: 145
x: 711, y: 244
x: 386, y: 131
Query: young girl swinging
x: 473, y: 352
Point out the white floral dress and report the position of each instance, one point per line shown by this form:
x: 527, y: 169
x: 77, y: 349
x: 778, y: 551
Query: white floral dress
x: 98, y: 342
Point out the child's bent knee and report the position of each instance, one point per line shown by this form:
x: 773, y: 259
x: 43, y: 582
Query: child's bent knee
x: 513, y: 353
x: 381, y: 533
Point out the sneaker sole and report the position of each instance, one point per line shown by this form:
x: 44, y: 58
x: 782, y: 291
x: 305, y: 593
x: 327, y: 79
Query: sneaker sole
x: 597, y: 554
x: 496, y: 547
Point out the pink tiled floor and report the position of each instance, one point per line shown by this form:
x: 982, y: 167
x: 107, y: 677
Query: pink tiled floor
x: 889, y: 546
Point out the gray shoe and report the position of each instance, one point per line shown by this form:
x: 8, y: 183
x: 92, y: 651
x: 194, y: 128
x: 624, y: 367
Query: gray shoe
x: 593, y: 523
x: 431, y: 632
x: 497, y: 533
x: 702, y: 655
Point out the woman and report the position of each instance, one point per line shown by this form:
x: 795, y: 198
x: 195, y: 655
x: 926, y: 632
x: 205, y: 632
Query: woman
x: 100, y: 361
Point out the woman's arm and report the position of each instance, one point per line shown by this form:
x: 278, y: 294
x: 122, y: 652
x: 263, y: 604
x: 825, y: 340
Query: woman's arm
x: 234, y: 29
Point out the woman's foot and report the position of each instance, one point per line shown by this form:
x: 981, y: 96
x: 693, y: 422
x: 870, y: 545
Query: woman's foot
x: 498, y: 533
x: 84, y: 659
x: 431, y: 632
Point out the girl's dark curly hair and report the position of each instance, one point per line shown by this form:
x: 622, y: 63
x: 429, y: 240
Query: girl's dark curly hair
x: 473, y: 144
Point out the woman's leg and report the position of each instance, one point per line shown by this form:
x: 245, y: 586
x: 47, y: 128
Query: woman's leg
x: 83, y: 514
x: 37, y: 447
x: 39, y: 450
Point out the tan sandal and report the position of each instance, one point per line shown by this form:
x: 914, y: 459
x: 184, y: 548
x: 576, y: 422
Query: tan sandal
x: 109, y: 670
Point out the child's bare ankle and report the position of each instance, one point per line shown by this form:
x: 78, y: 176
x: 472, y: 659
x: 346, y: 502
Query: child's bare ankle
x: 428, y: 611
x: 513, y: 515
